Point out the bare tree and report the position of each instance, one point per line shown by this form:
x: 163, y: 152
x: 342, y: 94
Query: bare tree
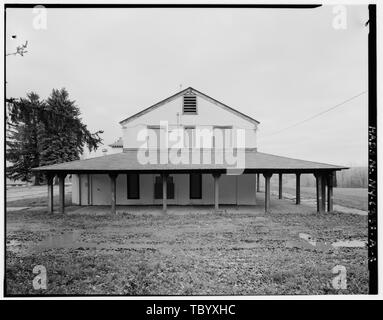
x: 20, y: 50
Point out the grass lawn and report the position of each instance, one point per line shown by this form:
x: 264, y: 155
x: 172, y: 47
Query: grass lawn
x: 35, y: 196
x: 349, y: 197
x: 240, y: 253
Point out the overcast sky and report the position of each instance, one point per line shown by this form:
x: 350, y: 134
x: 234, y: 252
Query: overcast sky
x: 277, y: 66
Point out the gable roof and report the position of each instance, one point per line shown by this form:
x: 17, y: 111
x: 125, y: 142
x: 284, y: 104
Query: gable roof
x: 190, y: 89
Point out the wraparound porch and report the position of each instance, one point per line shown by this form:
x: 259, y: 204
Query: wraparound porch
x: 258, y: 165
x: 324, y: 188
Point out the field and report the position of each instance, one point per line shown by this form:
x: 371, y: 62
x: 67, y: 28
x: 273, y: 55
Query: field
x: 189, y: 251
x: 349, y: 197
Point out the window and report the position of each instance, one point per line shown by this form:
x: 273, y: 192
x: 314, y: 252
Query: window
x: 222, y: 137
x: 154, y: 136
x: 190, y: 104
x: 189, y: 137
x: 195, y: 186
x: 133, y: 186
x: 169, y: 188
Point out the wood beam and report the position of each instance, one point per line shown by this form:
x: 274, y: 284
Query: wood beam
x: 50, y: 192
x: 280, y: 186
x: 216, y: 190
x: 258, y: 188
x: 113, y: 178
x: 267, y: 191
x: 298, y: 189
x: 62, y: 192
x: 164, y: 177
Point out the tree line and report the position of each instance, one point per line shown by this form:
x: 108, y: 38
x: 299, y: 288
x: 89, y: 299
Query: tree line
x: 44, y: 132
x: 355, y: 177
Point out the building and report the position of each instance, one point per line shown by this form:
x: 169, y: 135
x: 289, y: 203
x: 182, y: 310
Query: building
x: 188, y: 149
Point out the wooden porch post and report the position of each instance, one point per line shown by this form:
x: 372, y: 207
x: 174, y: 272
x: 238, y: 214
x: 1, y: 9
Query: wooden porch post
x: 258, y: 189
x: 61, y: 177
x: 255, y: 193
x: 79, y: 189
x: 298, y: 189
x: 164, y: 191
x: 319, y: 189
x: 50, y: 192
x: 280, y: 186
x: 330, y: 200
x: 88, y: 182
x: 267, y: 191
x: 324, y: 183
x: 216, y: 190
x: 113, y: 177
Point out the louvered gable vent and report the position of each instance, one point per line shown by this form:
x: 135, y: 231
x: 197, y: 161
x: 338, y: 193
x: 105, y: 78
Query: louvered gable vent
x: 190, y: 104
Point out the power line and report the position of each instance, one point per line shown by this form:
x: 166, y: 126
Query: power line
x: 318, y: 114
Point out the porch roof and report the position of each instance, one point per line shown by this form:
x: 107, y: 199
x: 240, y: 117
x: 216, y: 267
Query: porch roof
x: 128, y: 162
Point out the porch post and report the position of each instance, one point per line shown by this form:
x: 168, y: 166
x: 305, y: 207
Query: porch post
x: 62, y: 192
x: 267, y: 191
x: 79, y: 189
x: 280, y: 186
x: 91, y: 190
x: 319, y: 182
x: 298, y: 189
x: 216, y: 190
x: 113, y: 177
x: 258, y: 189
x: 324, y: 183
x: 88, y: 182
x: 50, y: 192
x: 255, y: 193
x: 330, y: 200
x: 164, y: 191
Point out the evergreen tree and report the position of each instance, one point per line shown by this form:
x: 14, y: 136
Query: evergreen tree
x: 22, y: 141
x: 45, y: 132
x: 62, y: 135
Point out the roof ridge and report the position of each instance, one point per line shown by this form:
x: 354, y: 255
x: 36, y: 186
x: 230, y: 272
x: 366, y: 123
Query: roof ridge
x: 158, y: 104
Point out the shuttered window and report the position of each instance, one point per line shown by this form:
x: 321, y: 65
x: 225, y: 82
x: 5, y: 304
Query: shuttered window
x: 195, y: 186
x: 190, y: 104
x: 133, y: 180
